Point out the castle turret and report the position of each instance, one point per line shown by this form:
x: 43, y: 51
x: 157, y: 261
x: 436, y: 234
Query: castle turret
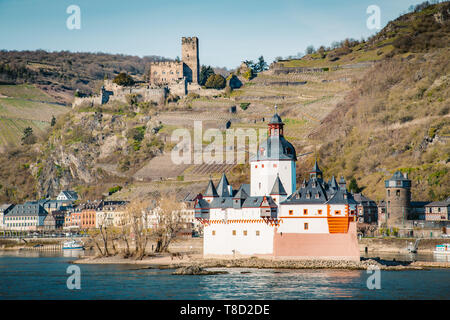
x: 275, y: 157
x: 398, y: 199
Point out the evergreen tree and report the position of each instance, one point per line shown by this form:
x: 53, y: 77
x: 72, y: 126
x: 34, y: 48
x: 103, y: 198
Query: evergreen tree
x: 205, y: 73
x: 53, y: 121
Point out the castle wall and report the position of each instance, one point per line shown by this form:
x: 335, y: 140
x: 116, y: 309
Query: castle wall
x: 301, y: 246
x: 166, y: 72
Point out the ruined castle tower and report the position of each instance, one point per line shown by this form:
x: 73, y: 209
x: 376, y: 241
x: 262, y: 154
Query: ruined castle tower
x: 398, y: 199
x: 189, y: 54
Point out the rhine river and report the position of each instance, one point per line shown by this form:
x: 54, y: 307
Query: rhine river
x: 33, y: 275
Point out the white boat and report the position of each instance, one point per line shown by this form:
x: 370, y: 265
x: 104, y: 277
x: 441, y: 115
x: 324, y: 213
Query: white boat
x: 73, y: 244
x: 442, y: 249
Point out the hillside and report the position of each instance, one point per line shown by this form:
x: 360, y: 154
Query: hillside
x: 364, y: 108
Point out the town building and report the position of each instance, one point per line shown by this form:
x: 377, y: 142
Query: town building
x: 438, y: 210
x: 110, y: 213
x: 367, y: 209
x: 270, y: 217
x: 26, y: 217
x: 67, y: 195
x: 4, y: 209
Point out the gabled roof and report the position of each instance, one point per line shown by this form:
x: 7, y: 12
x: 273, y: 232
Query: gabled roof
x: 69, y: 194
x: 241, y: 194
x: 201, y: 204
x: 278, y: 188
x: 222, y: 187
x: 311, y: 192
x: 342, y: 197
x: 210, y: 190
x: 31, y: 208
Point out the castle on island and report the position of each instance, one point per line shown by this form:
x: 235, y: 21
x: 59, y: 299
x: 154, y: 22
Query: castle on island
x: 166, y: 77
x: 271, y: 217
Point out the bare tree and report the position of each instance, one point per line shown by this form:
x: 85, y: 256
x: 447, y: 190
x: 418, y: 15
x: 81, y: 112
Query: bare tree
x: 136, y: 220
x: 169, y: 222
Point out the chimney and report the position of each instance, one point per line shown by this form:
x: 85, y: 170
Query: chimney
x: 405, y: 174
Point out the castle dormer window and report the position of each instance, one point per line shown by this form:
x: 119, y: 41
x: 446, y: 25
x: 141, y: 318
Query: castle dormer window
x: 317, y: 195
x: 308, y: 195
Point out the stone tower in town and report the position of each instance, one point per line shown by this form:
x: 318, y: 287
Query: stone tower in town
x: 398, y: 199
x: 189, y: 54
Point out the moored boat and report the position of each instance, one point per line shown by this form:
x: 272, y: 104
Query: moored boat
x: 442, y: 249
x: 73, y: 244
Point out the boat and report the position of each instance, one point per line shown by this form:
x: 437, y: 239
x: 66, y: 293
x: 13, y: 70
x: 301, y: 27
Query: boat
x: 442, y: 248
x: 73, y: 244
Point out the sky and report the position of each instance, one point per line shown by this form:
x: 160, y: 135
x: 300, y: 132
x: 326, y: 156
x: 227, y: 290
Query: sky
x: 229, y: 31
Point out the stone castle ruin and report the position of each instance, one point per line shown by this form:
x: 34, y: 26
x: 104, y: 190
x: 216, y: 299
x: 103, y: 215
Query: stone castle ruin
x: 167, y: 77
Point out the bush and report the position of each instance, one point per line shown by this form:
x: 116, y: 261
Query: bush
x: 215, y: 81
x: 114, y: 189
x: 249, y: 74
x: 123, y: 79
x: 244, y: 105
x: 137, y: 133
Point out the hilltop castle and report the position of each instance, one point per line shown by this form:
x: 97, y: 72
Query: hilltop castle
x: 166, y: 77
x: 270, y: 217
x: 168, y: 72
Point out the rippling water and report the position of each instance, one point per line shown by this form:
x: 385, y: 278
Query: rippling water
x: 43, y: 276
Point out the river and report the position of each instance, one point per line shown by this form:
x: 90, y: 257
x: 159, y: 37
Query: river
x: 38, y: 275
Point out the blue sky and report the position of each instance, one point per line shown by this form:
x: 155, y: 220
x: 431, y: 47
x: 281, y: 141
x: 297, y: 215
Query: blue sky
x: 229, y: 31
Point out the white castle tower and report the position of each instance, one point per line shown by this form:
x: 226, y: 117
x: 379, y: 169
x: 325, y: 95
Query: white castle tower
x: 275, y: 158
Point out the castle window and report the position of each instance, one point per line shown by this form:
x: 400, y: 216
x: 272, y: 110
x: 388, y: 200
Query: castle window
x: 319, y: 211
x: 234, y: 232
x: 257, y: 233
x: 305, y: 211
x: 262, y: 166
x: 245, y: 232
x: 260, y: 185
x: 306, y: 226
x: 317, y: 196
x: 397, y: 193
x: 214, y: 232
x: 274, y: 165
x: 291, y: 212
x: 389, y: 193
x: 256, y: 167
x: 337, y: 212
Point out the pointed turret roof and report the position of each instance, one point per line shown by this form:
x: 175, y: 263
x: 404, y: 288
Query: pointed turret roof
x: 333, y: 183
x: 222, y: 187
x: 210, y: 190
x: 316, y: 167
x: 278, y: 188
x: 241, y: 194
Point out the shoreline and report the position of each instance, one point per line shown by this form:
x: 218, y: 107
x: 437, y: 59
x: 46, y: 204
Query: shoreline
x: 165, y: 262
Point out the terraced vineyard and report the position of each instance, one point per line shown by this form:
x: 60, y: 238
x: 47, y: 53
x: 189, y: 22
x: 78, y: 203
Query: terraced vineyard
x: 24, y: 106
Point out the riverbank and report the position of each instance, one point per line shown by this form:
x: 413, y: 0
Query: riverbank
x: 167, y: 262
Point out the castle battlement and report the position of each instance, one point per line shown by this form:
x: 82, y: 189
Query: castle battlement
x: 165, y: 63
x: 186, y: 40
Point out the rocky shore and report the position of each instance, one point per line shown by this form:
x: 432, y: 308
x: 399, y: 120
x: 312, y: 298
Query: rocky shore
x: 166, y: 262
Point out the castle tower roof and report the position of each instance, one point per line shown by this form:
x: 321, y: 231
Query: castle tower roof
x: 223, y: 187
x: 210, y: 190
x: 278, y: 188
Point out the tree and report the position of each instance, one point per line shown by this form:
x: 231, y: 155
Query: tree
x: 310, y: 49
x: 216, y: 81
x: 28, y: 136
x: 170, y: 222
x: 136, y: 223
x: 205, y: 73
x: 53, y: 121
x: 353, y: 186
x: 260, y: 66
x: 123, y: 79
x: 321, y: 52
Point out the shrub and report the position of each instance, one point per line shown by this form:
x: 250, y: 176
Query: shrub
x: 123, y: 79
x: 244, y: 105
x: 114, y: 190
x: 215, y: 81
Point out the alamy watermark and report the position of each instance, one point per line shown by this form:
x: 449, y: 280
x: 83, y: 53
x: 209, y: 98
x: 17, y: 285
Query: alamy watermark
x: 74, y: 280
x: 374, y: 20
x: 374, y: 280
x: 73, y: 22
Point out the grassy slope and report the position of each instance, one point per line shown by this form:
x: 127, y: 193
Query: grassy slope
x: 24, y: 106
